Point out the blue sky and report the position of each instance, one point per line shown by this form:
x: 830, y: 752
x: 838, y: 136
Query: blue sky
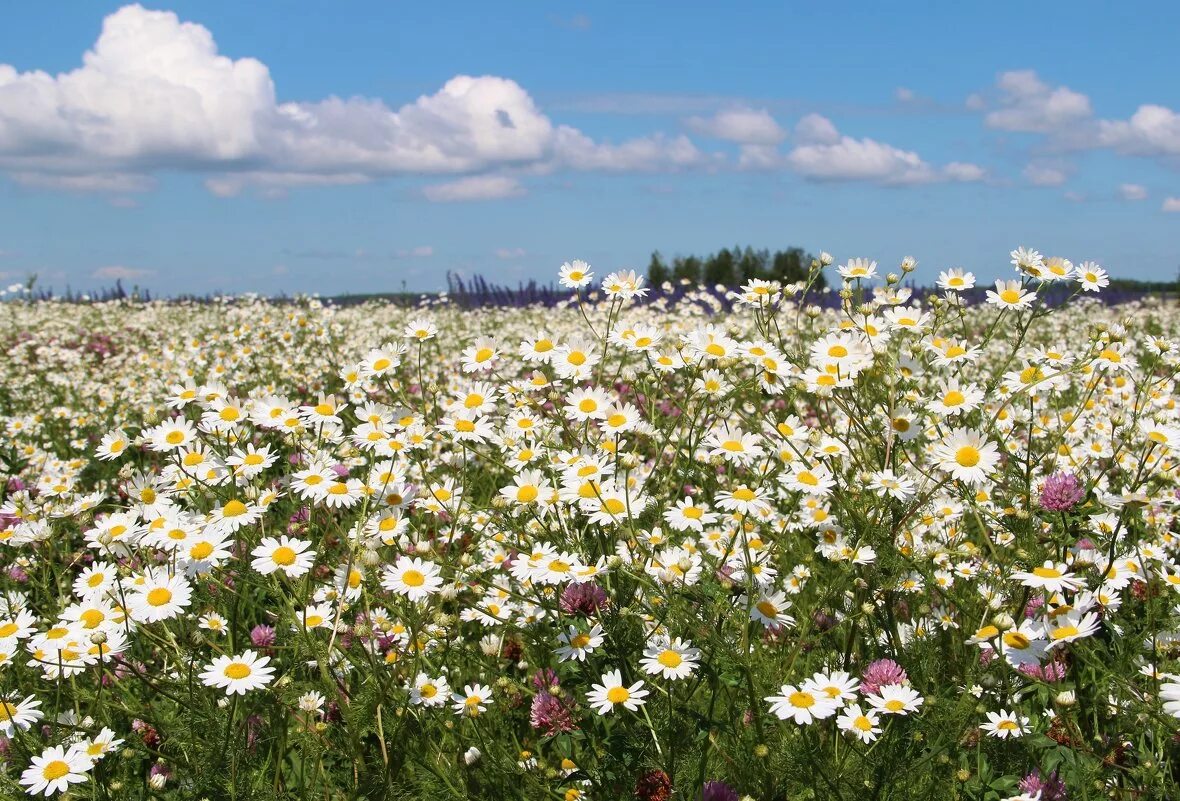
x: 267, y: 146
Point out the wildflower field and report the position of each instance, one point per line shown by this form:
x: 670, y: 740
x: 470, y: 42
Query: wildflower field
x: 780, y: 545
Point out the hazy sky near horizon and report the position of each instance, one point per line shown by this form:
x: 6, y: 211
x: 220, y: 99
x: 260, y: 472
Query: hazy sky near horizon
x: 365, y: 146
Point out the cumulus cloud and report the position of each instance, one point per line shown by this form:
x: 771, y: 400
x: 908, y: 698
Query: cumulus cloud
x: 1151, y: 131
x: 476, y: 187
x: 1171, y: 204
x: 826, y: 155
x: 1133, y: 191
x: 155, y: 93
x: 510, y: 253
x: 118, y: 271
x: 1045, y: 175
x: 745, y: 126
x: 1028, y: 104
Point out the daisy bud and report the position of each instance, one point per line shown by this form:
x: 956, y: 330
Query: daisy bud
x: 761, y: 751
x: 1003, y: 621
x: 825, y: 258
x: 98, y: 637
x: 1065, y: 698
x: 614, y: 562
x: 370, y: 558
x: 963, y: 774
x: 471, y: 755
x: 846, y: 294
x: 422, y: 547
x: 813, y: 311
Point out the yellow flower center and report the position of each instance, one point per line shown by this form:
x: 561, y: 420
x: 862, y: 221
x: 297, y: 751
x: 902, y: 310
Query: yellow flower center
x: 237, y: 670
x: 413, y: 578
x: 159, y: 596
x: 669, y: 659
x: 617, y: 695
x: 55, y: 770
x: 967, y: 456
x: 801, y: 699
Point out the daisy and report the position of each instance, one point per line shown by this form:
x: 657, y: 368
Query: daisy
x: 420, y: 328
x: 895, y: 699
x: 837, y: 685
x: 612, y: 691
x: 473, y: 700
x: 673, y: 660
x: 1010, y: 295
x: 18, y: 714
x: 171, y: 435
x: 688, y: 514
x: 586, y: 404
x: 159, y: 597
x: 112, y: 445
x: 967, y: 456
x: 430, y: 692
x: 1051, y: 577
x: 528, y: 487
x: 238, y: 674
x: 1091, y: 277
x: 801, y: 704
x: 956, y: 279
x: 412, y: 577
x: 575, y: 274
x: 286, y: 554
x: 1005, y: 724
x: 233, y: 515
x: 858, y: 269
x: 855, y: 722
x: 885, y: 482
x: 99, y: 745
x: 250, y: 462
x: 55, y: 770
x: 770, y: 610
x: 624, y: 284
x: 577, y: 644
x: 1071, y: 626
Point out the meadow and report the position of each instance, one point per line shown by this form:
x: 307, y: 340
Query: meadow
x: 772, y: 543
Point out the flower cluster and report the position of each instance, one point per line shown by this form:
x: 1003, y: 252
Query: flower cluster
x: 690, y: 545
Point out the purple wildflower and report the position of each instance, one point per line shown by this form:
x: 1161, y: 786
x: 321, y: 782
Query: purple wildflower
x: 881, y: 673
x: 1061, y: 492
x: 263, y: 636
x: 1051, y: 788
x: 551, y: 714
x: 583, y: 599
x: 718, y: 791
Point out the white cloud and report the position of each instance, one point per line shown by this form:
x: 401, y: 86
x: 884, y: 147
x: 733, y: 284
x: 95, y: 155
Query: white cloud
x: 1133, y: 191
x: 1171, y: 204
x: 510, y: 253
x: 116, y: 272
x: 816, y: 129
x: 903, y: 95
x: 1151, y: 131
x: 1028, y: 104
x: 655, y: 153
x: 829, y: 156
x: 477, y: 187
x: 746, y: 126
x: 154, y: 93
x: 1045, y: 175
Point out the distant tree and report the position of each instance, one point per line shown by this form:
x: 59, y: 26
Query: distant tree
x: 719, y: 268
x: 687, y: 268
x: 657, y: 270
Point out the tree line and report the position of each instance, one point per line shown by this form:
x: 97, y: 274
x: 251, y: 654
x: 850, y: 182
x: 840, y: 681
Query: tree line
x: 733, y: 266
